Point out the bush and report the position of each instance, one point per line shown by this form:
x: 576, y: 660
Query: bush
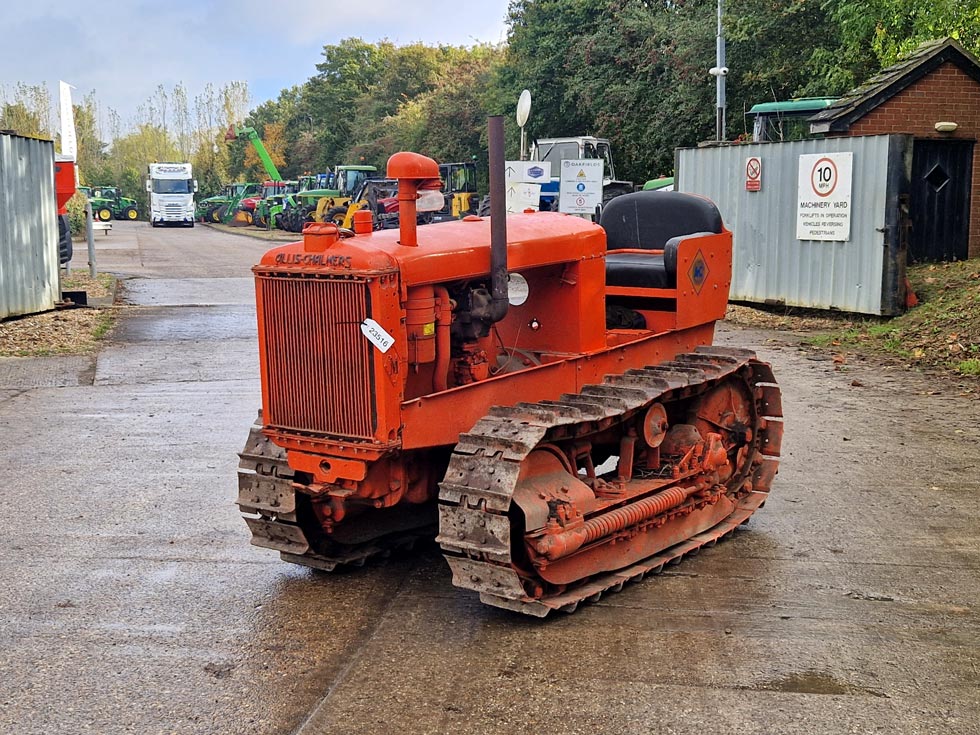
x: 76, y: 214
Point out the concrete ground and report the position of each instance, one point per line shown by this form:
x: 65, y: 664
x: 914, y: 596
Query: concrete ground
x: 133, y: 602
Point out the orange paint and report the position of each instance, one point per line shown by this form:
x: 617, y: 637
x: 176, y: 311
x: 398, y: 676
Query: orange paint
x: 367, y: 339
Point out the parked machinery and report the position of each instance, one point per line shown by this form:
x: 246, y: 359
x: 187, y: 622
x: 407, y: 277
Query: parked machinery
x: 243, y: 213
x: 557, y: 150
x: 460, y: 190
x: 222, y: 207
x: 467, y: 374
x: 268, y: 203
x: 107, y: 203
x: 323, y: 204
x: 377, y: 196
x: 64, y: 189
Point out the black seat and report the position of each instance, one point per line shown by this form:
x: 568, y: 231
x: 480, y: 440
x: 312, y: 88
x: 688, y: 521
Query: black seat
x: 652, y: 220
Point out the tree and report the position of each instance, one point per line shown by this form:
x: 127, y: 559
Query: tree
x: 633, y: 71
x: 894, y: 28
x: 26, y: 109
x: 636, y: 71
x: 543, y: 36
x: 92, y: 159
x: 348, y: 70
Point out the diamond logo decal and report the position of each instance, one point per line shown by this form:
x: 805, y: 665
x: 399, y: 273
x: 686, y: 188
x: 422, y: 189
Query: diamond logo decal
x: 698, y: 272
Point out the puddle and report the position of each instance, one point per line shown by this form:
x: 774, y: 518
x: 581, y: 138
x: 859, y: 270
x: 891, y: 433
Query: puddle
x: 814, y: 682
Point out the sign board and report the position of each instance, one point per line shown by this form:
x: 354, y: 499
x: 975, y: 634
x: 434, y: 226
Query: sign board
x: 521, y: 196
x: 823, y: 209
x: 753, y: 173
x: 527, y: 172
x: 580, y: 186
x: 523, y: 181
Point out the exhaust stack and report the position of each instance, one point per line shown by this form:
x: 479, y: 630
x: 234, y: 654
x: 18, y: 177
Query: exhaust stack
x: 498, y: 220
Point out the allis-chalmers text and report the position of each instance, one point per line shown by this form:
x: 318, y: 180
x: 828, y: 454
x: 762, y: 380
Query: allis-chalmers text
x: 335, y: 261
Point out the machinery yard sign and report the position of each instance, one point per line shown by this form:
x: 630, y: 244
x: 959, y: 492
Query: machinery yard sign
x: 580, y: 190
x: 823, y: 210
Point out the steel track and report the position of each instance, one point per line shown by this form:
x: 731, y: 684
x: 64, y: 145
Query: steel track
x: 267, y: 500
x: 476, y: 495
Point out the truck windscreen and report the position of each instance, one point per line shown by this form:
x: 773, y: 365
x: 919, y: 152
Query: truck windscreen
x: 172, y: 186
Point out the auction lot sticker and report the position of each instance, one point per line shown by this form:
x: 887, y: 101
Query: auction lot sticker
x: 823, y: 209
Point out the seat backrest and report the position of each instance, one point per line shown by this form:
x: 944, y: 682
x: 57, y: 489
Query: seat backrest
x: 648, y: 219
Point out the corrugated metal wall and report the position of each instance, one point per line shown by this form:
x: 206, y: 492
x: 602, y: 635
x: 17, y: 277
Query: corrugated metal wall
x: 864, y: 274
x: 28, y: 226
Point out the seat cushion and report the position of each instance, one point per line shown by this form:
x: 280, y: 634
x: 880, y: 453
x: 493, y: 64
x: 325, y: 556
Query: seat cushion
x: 637, y: 270
x: 648, y: 219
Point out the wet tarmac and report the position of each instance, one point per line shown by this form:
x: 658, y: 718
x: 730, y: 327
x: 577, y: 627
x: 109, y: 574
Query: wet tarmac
x: 133, y: 601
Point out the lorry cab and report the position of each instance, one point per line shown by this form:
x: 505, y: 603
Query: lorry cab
x: 171, y: 188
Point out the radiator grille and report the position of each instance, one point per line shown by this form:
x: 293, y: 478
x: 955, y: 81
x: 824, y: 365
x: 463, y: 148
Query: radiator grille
x: 319, y: 370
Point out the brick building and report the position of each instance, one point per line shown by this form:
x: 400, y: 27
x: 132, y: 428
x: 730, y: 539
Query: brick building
x: 934, y: 95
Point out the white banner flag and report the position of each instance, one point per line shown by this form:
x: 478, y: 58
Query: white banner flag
x: 69, y: 145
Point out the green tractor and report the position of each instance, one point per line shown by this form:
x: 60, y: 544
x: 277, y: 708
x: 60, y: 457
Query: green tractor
x: 107, y: 203
x: 272, y: 201
x: 328, y: 199
x: 222, y: 207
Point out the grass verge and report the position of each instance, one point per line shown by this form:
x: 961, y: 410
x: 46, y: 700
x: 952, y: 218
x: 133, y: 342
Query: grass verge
x: 942, y: 332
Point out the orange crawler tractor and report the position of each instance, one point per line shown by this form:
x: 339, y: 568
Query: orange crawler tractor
x: 541, y: 386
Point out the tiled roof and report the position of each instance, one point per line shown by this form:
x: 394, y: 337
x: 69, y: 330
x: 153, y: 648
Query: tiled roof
x: 857, y: 103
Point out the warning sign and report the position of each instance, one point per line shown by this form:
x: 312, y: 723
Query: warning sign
x: 580, y: 188
x: 824, y: 197
x: 753, y: 173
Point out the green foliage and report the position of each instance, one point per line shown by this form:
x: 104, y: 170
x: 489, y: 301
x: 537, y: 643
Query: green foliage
x: 634, y: 71
x: 894, y: 28
x: 76, y: 214
x: 369, y: 100
x: 26, y: 109
x: 969, y: 367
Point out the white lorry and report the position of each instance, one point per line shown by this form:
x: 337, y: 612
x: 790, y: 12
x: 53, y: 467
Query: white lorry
x: 171, y: 187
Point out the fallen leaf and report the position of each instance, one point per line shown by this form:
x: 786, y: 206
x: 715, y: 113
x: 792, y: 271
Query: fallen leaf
x: 857, y: 383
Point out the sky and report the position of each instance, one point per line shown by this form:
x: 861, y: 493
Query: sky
x: 124, y: 51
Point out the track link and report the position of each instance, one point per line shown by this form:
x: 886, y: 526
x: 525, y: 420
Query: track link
x: 476, y: 494
x: 268, y: 502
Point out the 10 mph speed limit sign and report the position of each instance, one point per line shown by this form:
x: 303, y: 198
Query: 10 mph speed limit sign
x: 824, y: 197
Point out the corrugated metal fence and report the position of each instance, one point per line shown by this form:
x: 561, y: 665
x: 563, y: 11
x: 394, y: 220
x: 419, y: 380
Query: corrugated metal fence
x: 28, y: 226
x: 865, y: 274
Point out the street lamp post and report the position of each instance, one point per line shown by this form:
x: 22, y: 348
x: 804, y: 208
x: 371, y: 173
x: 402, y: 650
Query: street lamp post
x: 719, y: 71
